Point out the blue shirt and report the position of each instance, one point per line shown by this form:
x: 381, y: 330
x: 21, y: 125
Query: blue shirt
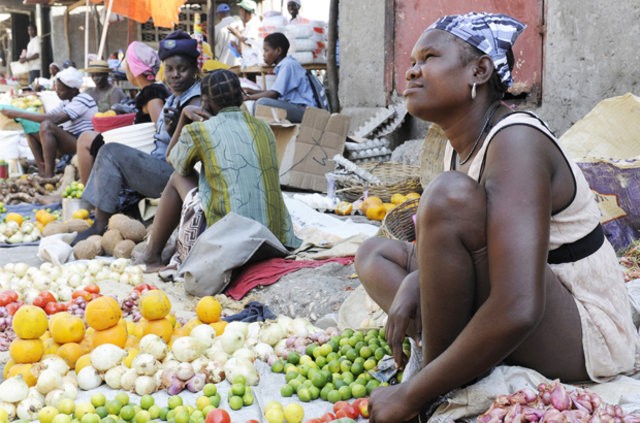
x: 292, y: 83
x: 162, y: 137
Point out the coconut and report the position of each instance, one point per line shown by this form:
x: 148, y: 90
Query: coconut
x: 110, y: 239
x: 129, y: 228
x: 86, y: 250
x: 97, y: 240
x: 123, y: 249
x: 55, y: 227
x: 76, y: 225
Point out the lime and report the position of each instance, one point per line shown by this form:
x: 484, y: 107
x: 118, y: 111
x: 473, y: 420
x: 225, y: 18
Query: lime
x: 293, y: 413
x: 66, y: 406
x: 370, y: 363
x: 321, y: 361
x: 365, y: 352
x: 207, y: 410
x: 154, y: 411
x: 319, y: 379
x: 291, y: 375
x: 46, y: 414
x: 358, y: 391
x: 146, y: 401
x: 310, y: 348
x: 181, y: 416
x: 239, y: 379
x: 235, y: 402
x: 345, y: 366
x: 215, y: 400
x: 247, y: 398
x: 142, y: 416
x: 357, y: 368
x: 304, y: 394
x: 286, y: 390
x: 122, y: 397
x: 295, y: 383
x: 62, y: 418
x: 163, y: 413
x: 345, y: 393
x: 277, y: 366
x: 334, y: 366
x: 315, y: 392
x: 202, y: 402
x: 274, y: 415
x: 127, y: 412
x: 209, y: 389
x: 102, y: 411
x: 98, y: 400
x: 237, y: 389
x: 174, y: 401
x: 333, y: 396
x: 293, y: 357
x: 90, y: 418
x: 379, y: 353
x: 371, y: 385
x: 348, y: 377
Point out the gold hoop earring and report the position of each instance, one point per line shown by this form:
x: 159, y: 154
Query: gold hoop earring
x: 473, y: 91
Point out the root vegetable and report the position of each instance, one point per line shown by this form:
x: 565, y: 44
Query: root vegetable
x: 123, y: 248
x: 109, y: 240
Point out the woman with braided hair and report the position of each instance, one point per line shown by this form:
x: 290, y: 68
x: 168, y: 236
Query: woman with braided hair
x: 239, y: 170
x: 510, y: 263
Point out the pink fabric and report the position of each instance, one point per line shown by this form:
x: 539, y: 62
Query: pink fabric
x: 141, y: 58
x: 269, y: 271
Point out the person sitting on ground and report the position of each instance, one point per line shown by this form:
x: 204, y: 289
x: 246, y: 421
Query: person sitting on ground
x: 141, y: 64
x: 239, y: 167
x: 104, y: 93
x: 292, y: 89
x: 293, y: 7
x: 510, y: 256
x: 122, y: 175
x: 74, y: 113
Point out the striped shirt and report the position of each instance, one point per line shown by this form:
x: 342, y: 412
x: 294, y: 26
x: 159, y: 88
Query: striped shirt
x: 239, y: 170
x: 80, y: 110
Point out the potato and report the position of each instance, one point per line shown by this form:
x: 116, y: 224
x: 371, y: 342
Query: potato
x: 76, y: 225
x: 129, y: 228
x: 86, y: 250
x: 55, y: 227
x: 97, y: 240
x: 110, y: 239
x: 123, y: 249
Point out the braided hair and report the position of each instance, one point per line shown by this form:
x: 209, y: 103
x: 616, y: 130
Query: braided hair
x: 222, y: 87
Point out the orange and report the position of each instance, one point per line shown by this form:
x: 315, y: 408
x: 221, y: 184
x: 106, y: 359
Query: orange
x: 370, y: 201
x: 71, y: 352
x: 388, y: 207
x: 26, y: 370
x: 103, y: 313
x: 116, y: 335
x: 50, y: 346
x: 376, y: 212
x: 398, y: 198
x: 161, y: 327
x: 208, y: 309
x: 14, y: 217
x: 344, y: 208
x: 412, y: 196
x: 26, y: 350
x: 82, y: 362
x: 219, y: 326
x: 65, y: 327
x: 44, y: 217
x: 29, y: 322
x: 154, y: 305
x: 7, y: 367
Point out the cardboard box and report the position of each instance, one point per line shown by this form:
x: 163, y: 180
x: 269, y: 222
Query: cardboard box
x: 284, y: 130
x: 305, y: 154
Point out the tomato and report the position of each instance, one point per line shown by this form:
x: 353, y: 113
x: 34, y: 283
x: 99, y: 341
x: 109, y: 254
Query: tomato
x: 81, y: 293
x: 327, y: 417
x: 93, y: 289
x: 339, y: 405
x: 252, y: 421
x: 61, y: 307
x: 362, y: 405
x: 4, y: 299
x: 13, y: 295
x: 13, y: 307
x: 347, y: 411
x: 51, y: 308
x: 315, y: 421
x: 218, y: 416
x: 143, y: 287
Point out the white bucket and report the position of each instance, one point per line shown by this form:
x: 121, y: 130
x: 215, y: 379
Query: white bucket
x: 138, y: 136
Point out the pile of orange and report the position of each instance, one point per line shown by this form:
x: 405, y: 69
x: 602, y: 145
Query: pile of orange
x: 375, y: 209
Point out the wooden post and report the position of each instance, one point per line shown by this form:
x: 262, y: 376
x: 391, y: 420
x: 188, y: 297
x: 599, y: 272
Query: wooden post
x: 332, y: 64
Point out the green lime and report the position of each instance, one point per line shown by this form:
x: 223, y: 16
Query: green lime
x: 209, y: 389
x: 345, y: 393
x: 315, y: 392
x: 215, y: 399
x: 202, y: 402
x: 319, y: 379
x: 348, y: 377
x: 154, y: 411
x: 237, y: 389
x: 365, y: 352
x: 142, y: 416
x: 357, y: 368
x: 127, y: 413
x: 277, y: 366
x: 333, y: 396
x: 321, y: 361
x: 163, y: 413
x: 247, y: 398
x: 181, y: 416
x: 146, y: 401
x: 310, y: 348
x: 113, y: 407
x: 304, y: 394
x: 295, y: 383
x: 291, y: 375
x: 235, y: 402
x: 348, y: 332
x: 174, y: 401
x: 122, y: 397
x: 334, y: 366
x: 293, y: 357
x: 98, y: 400
x: 371, y: 385
x: 379, y: 353
x: 370, y: 363
x: 345, y: 366
x: 286, y: 390
x: 358, y: 391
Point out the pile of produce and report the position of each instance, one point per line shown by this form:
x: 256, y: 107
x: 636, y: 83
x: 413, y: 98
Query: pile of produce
x: 373, y: 207
x: 15, y: 230
x: 25, y: 188
x: 122, y: 235
x: 553, y: 402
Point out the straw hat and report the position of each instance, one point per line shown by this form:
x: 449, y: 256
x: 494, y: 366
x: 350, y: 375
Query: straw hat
x: 97, y: 66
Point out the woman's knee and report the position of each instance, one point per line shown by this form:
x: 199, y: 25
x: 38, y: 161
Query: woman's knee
x: 377, y: 250
x: 453, y: 195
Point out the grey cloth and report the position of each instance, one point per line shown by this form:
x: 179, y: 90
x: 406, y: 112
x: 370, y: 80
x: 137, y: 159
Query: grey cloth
x: 294, y: 111
x: 118, y: 167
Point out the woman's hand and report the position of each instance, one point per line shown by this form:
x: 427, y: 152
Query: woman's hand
x: 404, y: 309
x: 11, y: 114
x: 389, y: 404
x: 195, y: 113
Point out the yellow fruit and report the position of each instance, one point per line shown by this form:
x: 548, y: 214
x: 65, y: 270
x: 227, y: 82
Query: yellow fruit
x: 388, y: 207
x: 293, y: 413
x: 82, y: 362
x: 29, y: 322
x: 7, y: 366
x: 116, y: 335
x: 172, y: 319
x: 376, y: 212
x: 370, y: 201
x: 191, y: 324
x: 103, y: 313
x: 344, y: 208
x: 71, y: 352
x: 161, y: 327
x: 154, y: 305
x: 26, y: 350
x: 413, y: 196
x: 132, y: 353
x: 50, y: 346
x: 65, y: 327
x: 80, y: 214
x: 26, y: 370
x: 14, y: 217
x: 398, y: 198
x: 219, y: 327
x: 44, y: 217
x: 208, y: 309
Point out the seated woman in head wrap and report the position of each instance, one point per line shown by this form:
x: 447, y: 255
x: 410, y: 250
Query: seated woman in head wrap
x: 60, y: 128
x: 510, y: 257
x: 141, y: 64
x: 239, y: 167
x: 122, y: 175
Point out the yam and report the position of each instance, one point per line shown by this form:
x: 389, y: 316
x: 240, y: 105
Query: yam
x: 129, y: 228
x: 55, y: 227
x: 86, y: 250
x: 123, y: 249
x: 76, y: 225
x: 97, y: 240
x: 109, y: 240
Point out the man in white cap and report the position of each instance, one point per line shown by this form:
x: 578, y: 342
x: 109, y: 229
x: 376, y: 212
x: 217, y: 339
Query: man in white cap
x: 223, y: 36
x: 293, y: 7
x: 74, y: 112
x: 250, y: 44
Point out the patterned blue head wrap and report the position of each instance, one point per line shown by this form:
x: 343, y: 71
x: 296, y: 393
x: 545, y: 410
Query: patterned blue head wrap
x: 491, y: 33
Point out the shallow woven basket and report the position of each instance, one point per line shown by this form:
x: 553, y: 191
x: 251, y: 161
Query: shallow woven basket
x: 398, y: 223
x: 396, y: 178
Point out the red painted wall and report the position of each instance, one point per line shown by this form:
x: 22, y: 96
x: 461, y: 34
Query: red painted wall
x: 413, y: 16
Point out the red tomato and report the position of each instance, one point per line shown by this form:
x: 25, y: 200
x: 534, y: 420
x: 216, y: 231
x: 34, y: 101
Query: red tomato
x: 327, y: 417
x: 13, y: 307
x: 61, y: 307
x: 319, y: 420
x: 339, y: 405
x: 13, y: 295
x: 347, y: 411
x: 362, y: 405
x: 143, y: 287
x: 51, y: 308
x: 218, y: 416
x: 252, y: 421
x: 81, y: 293
x: 94, y: 289
x: 4, y: 299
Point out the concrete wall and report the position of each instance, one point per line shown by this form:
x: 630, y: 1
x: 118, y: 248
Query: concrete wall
x: 590, y: 53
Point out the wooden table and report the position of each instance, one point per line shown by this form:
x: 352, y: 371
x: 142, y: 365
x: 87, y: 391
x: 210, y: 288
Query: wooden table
x: 265, y: 70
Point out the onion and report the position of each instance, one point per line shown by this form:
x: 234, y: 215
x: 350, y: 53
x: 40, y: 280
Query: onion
x: 48, y: 380
x: 28, y: 409
x: 10, y: 409
x: 145, y: 385
x: 187, y: 348
x: 231, y: 341
x: 106, y: 356
x: 184, y: 372
x: 204, y: 333
x: 89, y: 378
x: 128, y: 379
x: 113, y: 376
x: 14, y: 389
x: 145, y: 364
x: 237, y: 366
x: 154, y: 345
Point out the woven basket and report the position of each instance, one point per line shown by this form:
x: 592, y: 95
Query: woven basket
x: 397, y: 178
x: 398, y: 223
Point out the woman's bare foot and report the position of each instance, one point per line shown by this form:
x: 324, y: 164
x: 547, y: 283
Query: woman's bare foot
x: 155, y: 266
